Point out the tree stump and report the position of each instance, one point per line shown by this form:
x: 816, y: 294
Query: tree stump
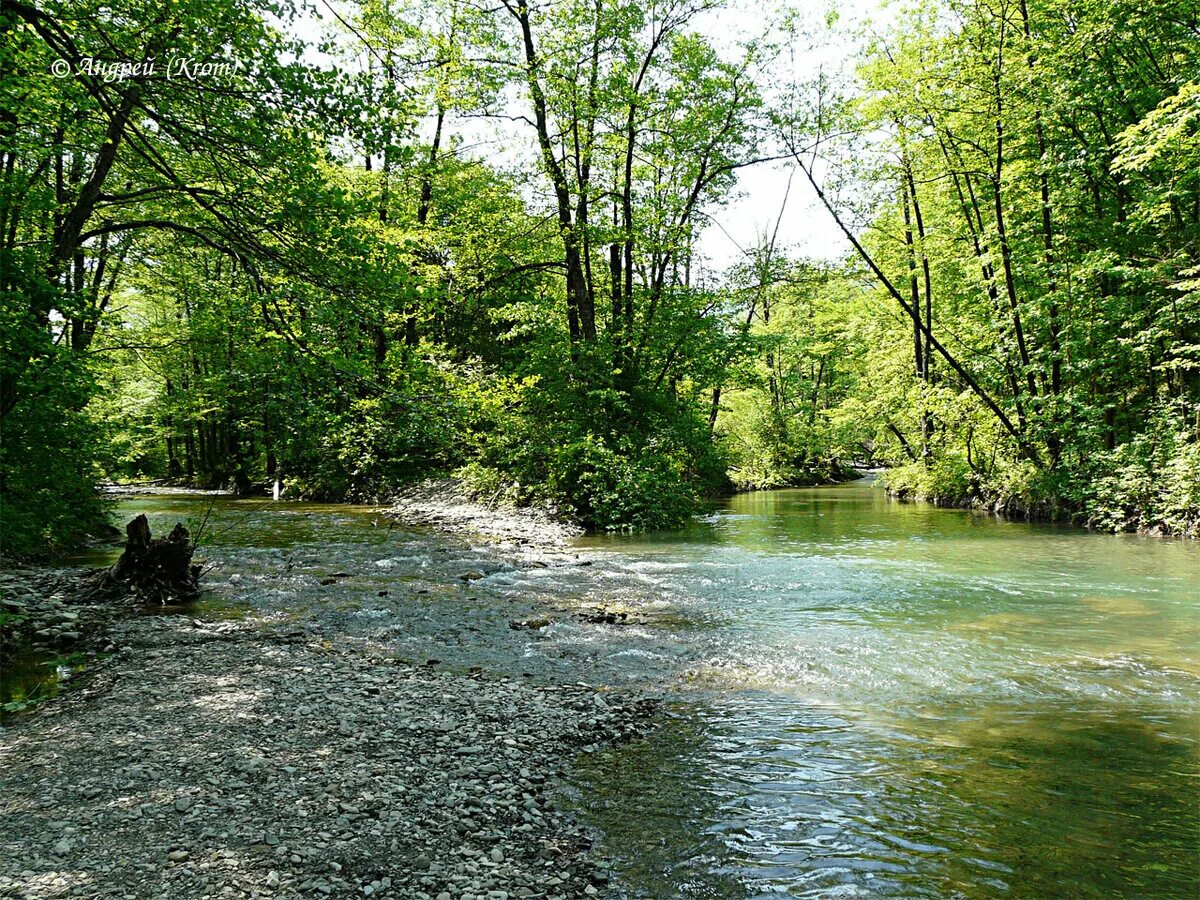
x: 154, y: 570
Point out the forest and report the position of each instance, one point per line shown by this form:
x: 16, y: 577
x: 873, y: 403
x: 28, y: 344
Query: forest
x: 237, y: 248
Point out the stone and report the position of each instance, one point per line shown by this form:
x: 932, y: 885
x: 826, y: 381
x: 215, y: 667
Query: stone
x: 531, y: 624
x: 223, y: 735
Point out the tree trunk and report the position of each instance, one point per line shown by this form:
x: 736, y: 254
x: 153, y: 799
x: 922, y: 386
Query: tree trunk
x: 153, y: 570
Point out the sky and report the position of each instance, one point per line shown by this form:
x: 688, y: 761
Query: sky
x: 765, y: 193
x: 768, y: 194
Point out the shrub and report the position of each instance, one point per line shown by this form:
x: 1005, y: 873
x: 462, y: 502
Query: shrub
x: 631, y: 490
x: 618, y: 462
x: 1151, y: 483
x: 48, y: 497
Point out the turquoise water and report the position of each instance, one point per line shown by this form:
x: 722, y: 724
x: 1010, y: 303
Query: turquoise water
x: 900, y: 700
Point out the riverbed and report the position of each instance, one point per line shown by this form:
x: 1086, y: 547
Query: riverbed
x: 867, y: 698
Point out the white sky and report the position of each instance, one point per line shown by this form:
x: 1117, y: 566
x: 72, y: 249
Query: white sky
x: 763, y: 192
x: 805, y: 228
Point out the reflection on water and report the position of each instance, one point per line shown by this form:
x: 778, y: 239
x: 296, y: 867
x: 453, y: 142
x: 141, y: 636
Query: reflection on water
x: 911, y: 701
x: 874, y: 698
x: 32, y: 675
x: 650, y: 798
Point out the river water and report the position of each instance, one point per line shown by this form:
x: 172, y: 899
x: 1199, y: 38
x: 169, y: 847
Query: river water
x: 870, y: 698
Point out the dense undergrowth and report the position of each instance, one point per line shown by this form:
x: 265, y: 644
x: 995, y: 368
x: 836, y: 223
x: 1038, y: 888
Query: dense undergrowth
x: 1149, y: 485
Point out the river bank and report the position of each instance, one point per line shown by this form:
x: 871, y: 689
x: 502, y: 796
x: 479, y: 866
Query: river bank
x: 50, y: 608
x: 1136, y: 499
x: 1056, y: 511
x: 41, y: 606
x: 832, y: 660
x: 238, y: 750
x: 449, y: 505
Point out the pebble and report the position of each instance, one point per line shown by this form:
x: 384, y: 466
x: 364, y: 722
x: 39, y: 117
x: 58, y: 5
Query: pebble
x: 309, y: 762
x: 37, y: 598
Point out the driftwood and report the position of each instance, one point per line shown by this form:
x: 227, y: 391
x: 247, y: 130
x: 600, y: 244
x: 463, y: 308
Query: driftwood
x: 153, y: 570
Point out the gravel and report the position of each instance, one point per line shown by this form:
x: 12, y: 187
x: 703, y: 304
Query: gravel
x: 49, y: 608
x: 277, y: 755
x: 448, y: 505
x: 240, y: 759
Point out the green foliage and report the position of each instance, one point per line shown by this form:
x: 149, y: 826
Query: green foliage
x: 948, y: 480
x: 546, y: 448
x: 614, y: 490
x: 286, y: 272
x: 424, y: 426
x: 1030, y: 178
x: 782, y: 422
x: 48, y: 498
x: 1151, y: 483
x: 98, y: 170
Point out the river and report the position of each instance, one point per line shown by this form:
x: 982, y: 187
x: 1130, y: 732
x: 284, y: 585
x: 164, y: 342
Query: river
x: 869, y: 698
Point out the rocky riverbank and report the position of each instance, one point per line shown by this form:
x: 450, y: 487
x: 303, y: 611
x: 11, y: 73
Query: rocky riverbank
x: 256, y: 748
x: 248, y: 760
x: 448, y: 505
x: 47, y: 608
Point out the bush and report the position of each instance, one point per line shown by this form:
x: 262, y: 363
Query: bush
x: 48, y: 497
x: 1151, y: 483
x: 947, y: 480
x: 382, y: 441
x: 636, y: 491
x: 618, y: 462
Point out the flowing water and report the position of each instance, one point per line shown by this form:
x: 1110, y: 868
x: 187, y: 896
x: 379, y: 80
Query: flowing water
x: 872, y: 698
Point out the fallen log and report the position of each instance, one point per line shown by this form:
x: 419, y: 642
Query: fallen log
x: 153, y: 570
